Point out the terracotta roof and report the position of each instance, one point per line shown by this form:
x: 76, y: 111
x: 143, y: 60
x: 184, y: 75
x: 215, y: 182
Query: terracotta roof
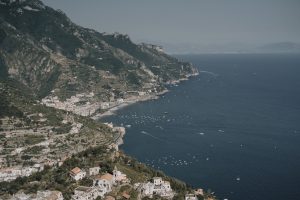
x: 110, y: 198
x: 107, y: 176
x: 125, y: 195
x: 76, y: 170
x: 97, y: 177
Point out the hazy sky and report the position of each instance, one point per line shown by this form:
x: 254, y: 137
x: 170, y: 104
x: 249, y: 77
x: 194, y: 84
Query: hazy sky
x: 189, y: 21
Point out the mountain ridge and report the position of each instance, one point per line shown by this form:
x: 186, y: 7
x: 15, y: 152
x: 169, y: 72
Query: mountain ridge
x: 33, y: 33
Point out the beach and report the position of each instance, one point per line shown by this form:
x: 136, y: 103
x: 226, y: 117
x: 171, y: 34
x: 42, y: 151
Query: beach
x: 127, y: 102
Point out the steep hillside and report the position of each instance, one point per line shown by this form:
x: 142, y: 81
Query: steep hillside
x: 54, y: 75
x: 44, y: 50
x: 31, y: 133
x: 48, y: 61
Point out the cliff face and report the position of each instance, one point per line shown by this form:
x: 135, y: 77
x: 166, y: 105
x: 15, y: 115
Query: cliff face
x: 41, y: 48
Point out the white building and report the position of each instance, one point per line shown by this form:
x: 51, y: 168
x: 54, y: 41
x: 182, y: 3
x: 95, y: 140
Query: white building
x: 120, y: 101
x: 119, y: 177
x: 142, y: 93
x: 199, y: 191
x: 104, y: 105
x: 158, y: 187
x: 94, y: 171
x: 110, y: 125
x: 190, y: 197
x: 86, y: 193
x: 147, y: 189
x: 157, y: 180
x: 104, y: 182
x: 77, y: 173
x: 9, y: 174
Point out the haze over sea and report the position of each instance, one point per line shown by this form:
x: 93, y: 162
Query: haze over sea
x: 235, y: 128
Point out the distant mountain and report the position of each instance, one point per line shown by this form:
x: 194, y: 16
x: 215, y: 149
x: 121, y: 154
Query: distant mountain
x: 284, y: 47
x: 207, y: 48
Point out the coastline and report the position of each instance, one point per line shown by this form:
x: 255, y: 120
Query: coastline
x: 128, y: 102
x: 135, y: 99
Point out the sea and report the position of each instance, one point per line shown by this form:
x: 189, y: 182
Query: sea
x: 234, y: 129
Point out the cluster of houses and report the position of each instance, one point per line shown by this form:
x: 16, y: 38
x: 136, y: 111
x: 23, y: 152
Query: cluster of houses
x: 79, y: 104
x: 9, y: 174
x: 102, y: 184
x: 73, y: 104
x: 157, y: 187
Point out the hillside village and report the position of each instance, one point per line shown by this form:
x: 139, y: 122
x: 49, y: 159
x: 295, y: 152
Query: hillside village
x: 41, y: 157
x: 53, y: 86
x: 86, y: 105
x: 104, y: 185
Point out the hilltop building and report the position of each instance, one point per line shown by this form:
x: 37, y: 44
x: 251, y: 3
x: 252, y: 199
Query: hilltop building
x: 158, y: 187
x: 105, y: 182
x: 119, y: 177
x: 191, y: 197
x: 77, y: 174
x: 94, y: 171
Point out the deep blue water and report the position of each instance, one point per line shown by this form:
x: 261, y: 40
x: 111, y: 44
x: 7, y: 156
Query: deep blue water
x: 235, y: 128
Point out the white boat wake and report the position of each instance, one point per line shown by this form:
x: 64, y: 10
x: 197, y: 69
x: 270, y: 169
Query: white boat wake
x: 211, y: 73
x: 146, y: 133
